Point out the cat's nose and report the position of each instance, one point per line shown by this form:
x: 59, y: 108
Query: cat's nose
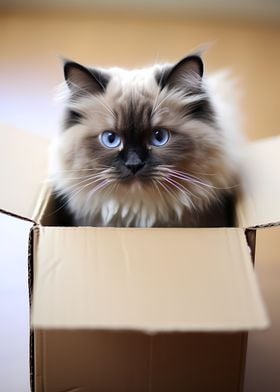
x: 134, y: 163
x: 135, y: 167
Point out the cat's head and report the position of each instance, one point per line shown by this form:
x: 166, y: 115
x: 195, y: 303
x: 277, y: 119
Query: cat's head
x: 141, y: 145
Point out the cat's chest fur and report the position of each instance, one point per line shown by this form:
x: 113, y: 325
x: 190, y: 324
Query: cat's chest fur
x: 219, y: 214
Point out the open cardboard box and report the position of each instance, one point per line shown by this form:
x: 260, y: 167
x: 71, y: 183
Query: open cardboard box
x: 161, y: 309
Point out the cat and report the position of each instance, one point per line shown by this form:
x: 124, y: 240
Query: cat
x: 149, y: 147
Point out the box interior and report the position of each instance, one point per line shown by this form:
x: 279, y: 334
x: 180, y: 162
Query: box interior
x: 70, y: 360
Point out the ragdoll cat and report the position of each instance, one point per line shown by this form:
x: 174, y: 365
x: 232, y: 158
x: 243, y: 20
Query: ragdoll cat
x: 146, y: 148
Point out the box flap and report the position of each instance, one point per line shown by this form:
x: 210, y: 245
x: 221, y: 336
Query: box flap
x: 145, y: 279
x: 23, y: 168
x: 259, y: 204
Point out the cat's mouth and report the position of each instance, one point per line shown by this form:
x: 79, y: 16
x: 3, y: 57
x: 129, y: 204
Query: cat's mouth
x: 129, y: 180
x: 135, y: 186
x: 136, y: 181
x: 128, y: 175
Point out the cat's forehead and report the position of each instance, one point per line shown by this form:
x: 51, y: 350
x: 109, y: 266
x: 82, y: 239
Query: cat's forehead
x: 135, y: 85
x: 134, y: 118
x: 132, y: 100
x: 131, y: 95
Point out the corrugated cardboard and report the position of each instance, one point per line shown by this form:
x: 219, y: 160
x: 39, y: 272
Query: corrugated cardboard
x: 145, y: 279
x: 259, y: 202
x: 127, y: 361
x: 102, y: 291
x: 23, y: 172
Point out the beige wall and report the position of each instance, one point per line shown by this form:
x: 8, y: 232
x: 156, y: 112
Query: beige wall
x: 31, y: 43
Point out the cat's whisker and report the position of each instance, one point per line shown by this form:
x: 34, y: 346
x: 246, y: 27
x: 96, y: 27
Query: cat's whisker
x: 94, y: 176
x: 82, y: 170
x: 157, y: 95
x: 93, y: 172
x: 168, y: 190
x: 81, y: 92
x: 115, y: 187
x: 192, y: 182
x: 159, y: 171
x: 203, y: 174
x: 181, y: 176
x: 162, y: 111
x: 155, y: 104
x: 161, y: 102
x: 163, y: 197
x: 186, y: 177
x: 74, y: 170
x: 74, y: 188
x: 155, y: 183
x: 88, y: 177
x: 69, y: 197
x: 106, y: 107
x: 193, y: 179
x: 181, y: 189
x: 173, y: 195
x: 93, y: 180
x: 167, y: 167
x: 98, y: 187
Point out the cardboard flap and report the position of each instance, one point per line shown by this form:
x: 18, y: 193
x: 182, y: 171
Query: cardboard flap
x: 145, y: 279
x: 23, y: 168
x: 259, y: 204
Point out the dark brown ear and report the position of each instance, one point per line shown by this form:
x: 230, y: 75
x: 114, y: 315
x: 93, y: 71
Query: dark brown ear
x: 82, y: 79
x: 188, y: 67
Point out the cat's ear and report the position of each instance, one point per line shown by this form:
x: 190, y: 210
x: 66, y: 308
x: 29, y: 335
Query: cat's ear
x: 84, y: 80
x: 189, y: 68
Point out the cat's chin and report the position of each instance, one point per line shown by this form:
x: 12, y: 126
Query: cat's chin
x: 134, y: 184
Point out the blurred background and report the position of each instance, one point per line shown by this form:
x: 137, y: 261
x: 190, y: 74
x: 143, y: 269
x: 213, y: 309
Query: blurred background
x: 244, y: 36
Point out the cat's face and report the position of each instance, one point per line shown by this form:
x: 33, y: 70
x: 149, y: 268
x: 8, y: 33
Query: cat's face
x: 139, y: 137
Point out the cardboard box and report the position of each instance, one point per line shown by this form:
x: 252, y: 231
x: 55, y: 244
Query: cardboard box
x: 118, y: 309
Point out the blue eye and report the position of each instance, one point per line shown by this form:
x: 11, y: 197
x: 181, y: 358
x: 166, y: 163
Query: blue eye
x: 159, y: 137
x: 110, y: 139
